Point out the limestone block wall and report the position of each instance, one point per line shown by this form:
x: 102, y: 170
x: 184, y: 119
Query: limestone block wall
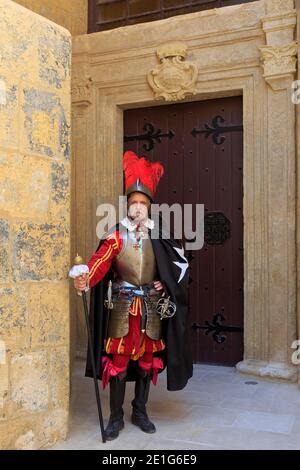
x: 297, y: 5
x: 72, y: 14
x: 34, y: 228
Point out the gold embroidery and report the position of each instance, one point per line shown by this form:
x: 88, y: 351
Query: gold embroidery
x: 99, y: 261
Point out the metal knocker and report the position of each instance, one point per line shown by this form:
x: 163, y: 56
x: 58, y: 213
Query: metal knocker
x: 165, y: 307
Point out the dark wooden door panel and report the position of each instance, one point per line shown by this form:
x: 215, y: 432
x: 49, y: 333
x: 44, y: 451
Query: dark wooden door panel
x: 204, y: 165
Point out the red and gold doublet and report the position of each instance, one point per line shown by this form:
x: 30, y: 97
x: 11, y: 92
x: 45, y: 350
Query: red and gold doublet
x: 135, y: 343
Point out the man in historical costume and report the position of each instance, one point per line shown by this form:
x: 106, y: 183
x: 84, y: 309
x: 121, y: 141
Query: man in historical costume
x: 131, y: 340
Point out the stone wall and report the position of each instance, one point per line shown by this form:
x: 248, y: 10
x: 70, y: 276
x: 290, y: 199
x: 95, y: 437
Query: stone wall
x: 34, y: 228
x: 72, y: 14
x: 297, y: 5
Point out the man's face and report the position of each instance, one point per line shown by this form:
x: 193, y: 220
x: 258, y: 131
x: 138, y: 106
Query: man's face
x: 138, y: 205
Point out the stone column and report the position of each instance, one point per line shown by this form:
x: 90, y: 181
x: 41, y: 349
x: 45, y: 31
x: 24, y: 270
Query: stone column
x: 279, y: 322
x: 297, y: 5
x: 82, y: 194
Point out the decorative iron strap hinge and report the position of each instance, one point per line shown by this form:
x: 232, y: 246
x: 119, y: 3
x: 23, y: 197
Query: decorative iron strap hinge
x: 216, y: 328
x: 215, y: 130
x: 151, y: 135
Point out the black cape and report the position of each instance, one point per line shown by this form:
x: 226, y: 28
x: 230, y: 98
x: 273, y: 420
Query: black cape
x: 177, y: 355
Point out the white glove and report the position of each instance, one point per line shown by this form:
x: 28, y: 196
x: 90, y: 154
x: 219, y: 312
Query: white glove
x: 78, y: 270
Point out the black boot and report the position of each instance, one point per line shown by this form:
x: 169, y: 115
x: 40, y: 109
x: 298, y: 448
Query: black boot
x: 116, y: 397
x: 139, y: 415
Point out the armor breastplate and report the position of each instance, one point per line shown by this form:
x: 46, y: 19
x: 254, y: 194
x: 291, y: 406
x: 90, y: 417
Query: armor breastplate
x: 136, y: 261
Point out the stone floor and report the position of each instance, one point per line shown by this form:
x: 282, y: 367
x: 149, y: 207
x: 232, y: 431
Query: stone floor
x: 219, y: 409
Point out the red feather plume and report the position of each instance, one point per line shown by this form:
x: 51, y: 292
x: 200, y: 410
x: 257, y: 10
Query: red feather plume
x: 138, y: 167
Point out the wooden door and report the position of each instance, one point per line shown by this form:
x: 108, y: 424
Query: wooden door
x: 200, y: 145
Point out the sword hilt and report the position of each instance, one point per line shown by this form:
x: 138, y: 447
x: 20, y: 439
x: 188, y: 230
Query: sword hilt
x: 108, y: 302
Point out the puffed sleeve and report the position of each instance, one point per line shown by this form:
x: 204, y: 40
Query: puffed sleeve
x: 101, y: 261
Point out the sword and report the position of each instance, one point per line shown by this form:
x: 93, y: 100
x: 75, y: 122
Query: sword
x: 109, y: 306
x: 78, y: 261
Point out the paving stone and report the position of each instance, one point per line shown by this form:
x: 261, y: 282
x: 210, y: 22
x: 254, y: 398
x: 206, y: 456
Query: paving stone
x: 210, y: 413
